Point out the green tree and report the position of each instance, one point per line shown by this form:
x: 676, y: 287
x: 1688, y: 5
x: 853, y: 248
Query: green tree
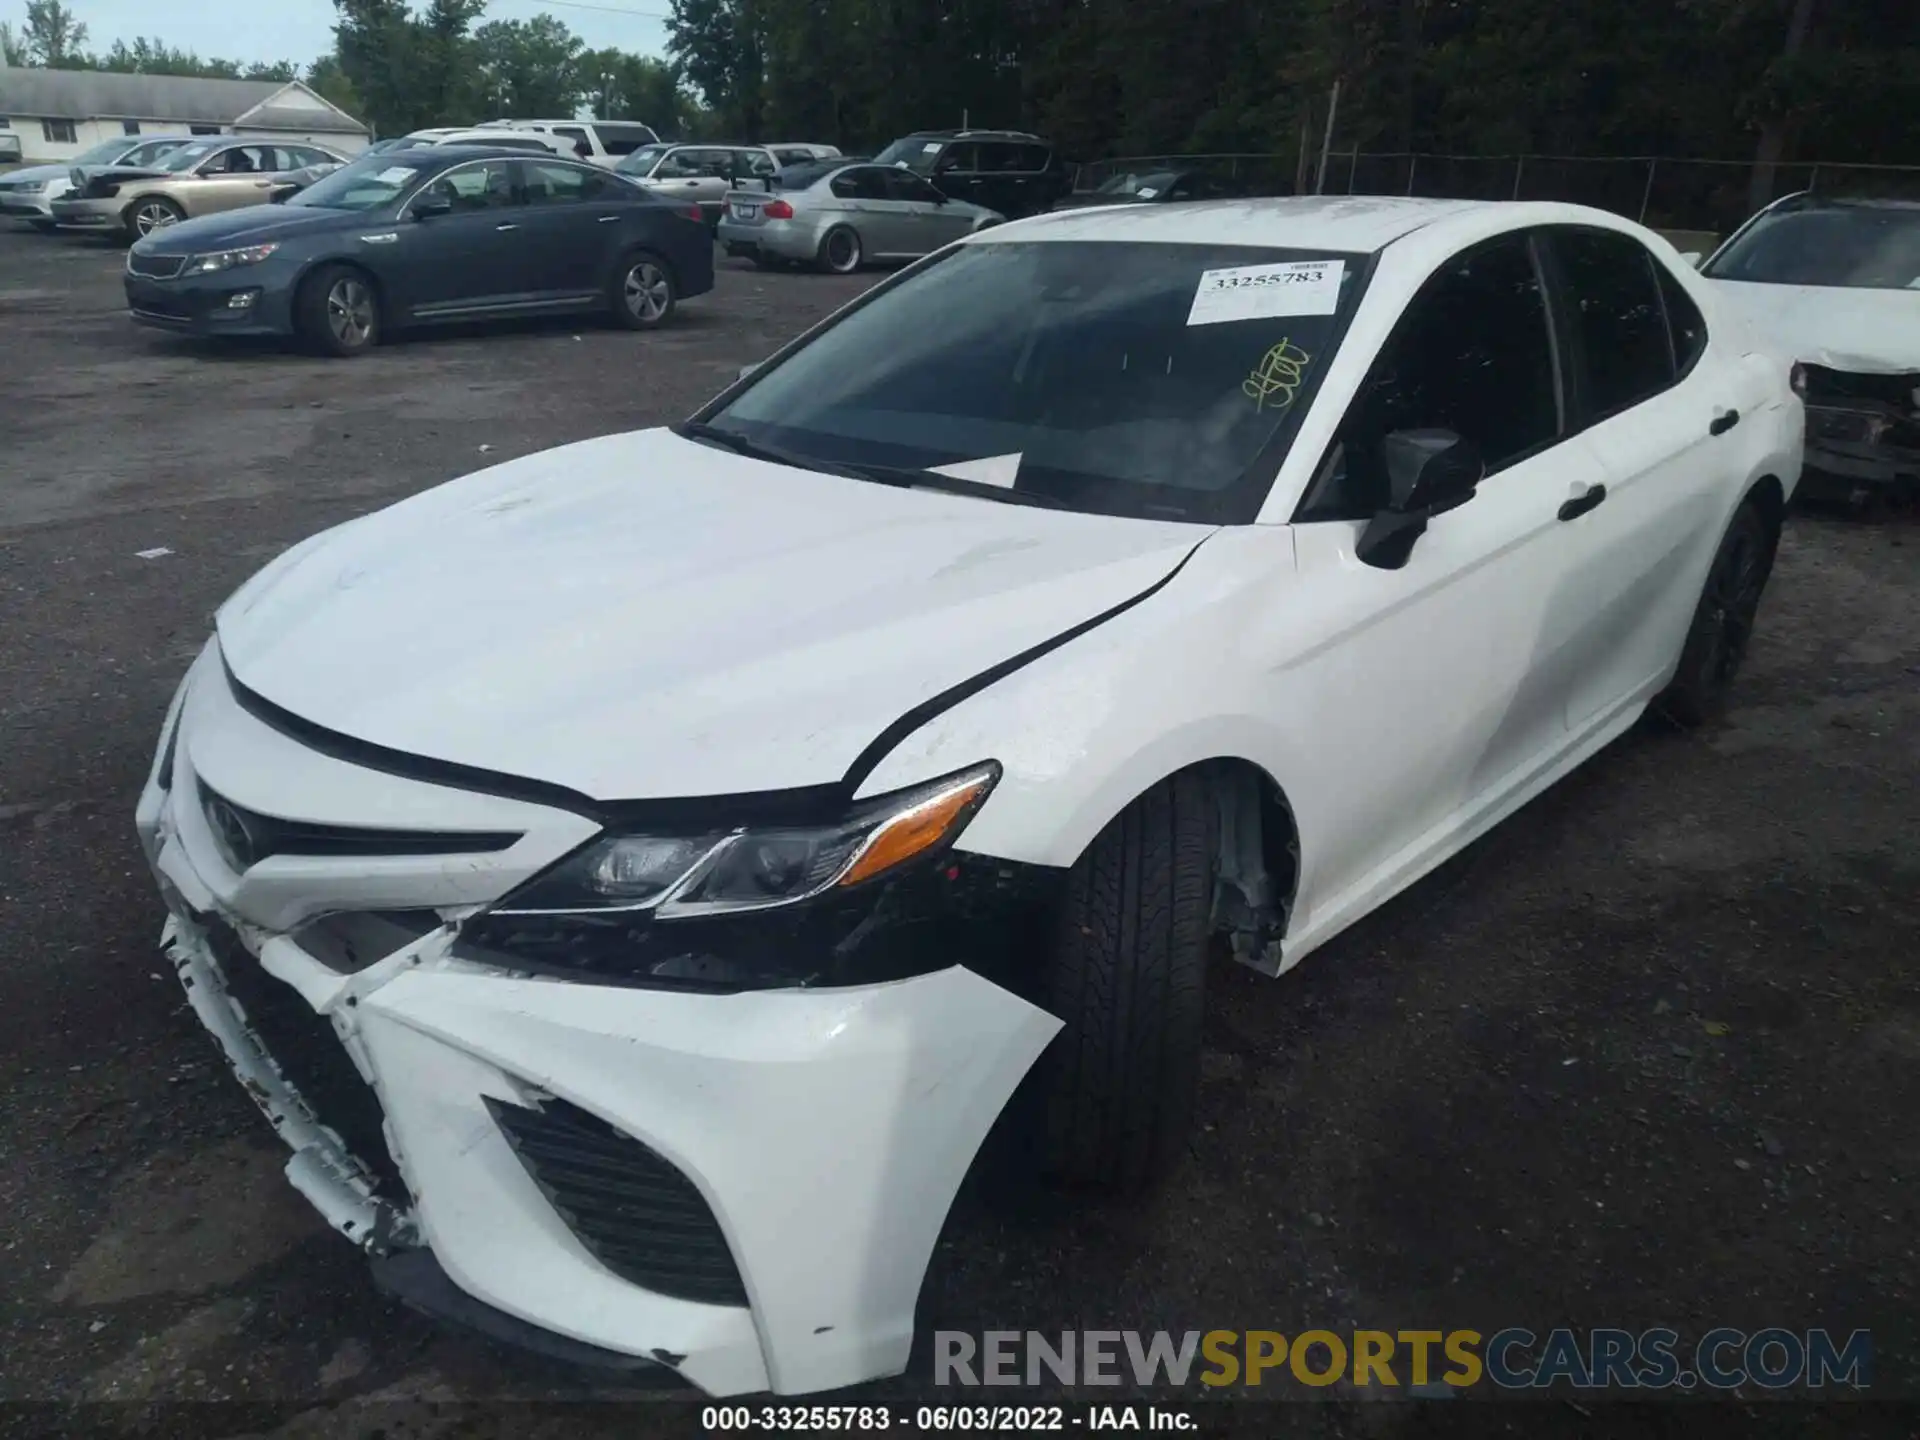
x: 444, y: 65
x: 528, y: 68
x: 53, y: 36
x: 327, y: 80
x: 717, y: 48
x: 618, y: 85
x: 13, y: 46
x: 376, y: 43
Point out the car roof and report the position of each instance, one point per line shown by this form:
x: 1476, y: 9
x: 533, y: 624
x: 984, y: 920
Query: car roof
x: 976, y: 135
x: 1355, y: 224
x: 1807, y: 200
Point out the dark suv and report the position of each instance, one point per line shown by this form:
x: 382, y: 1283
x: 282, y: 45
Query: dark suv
x: 1006, y: 170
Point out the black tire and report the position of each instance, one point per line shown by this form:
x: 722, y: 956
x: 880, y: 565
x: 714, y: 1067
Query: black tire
x: 337, y: 311
x: 1723, y: 621
x: 643, y: 294
x: 1126, y: 973
x: 151, y: 213
x: 841, y: 252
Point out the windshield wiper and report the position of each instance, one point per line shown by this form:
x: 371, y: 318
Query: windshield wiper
x: 902, y: 478
x: 754, y: 450
x: 955, y: 485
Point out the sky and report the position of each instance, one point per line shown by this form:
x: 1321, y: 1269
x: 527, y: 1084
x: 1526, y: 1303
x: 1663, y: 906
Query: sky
x: 300, y: 30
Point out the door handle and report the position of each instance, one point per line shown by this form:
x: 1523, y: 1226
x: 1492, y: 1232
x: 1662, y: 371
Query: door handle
x: 1724, y: 422
x: 1581, y: 504
x: 508, y: 226
x: 609, y: 219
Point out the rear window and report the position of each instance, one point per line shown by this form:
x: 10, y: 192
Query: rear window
x: 1154, y: 380
x: 624, y: 139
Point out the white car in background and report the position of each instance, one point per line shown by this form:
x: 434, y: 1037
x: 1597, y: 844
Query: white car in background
x: 1833, y: 286
x: 29, y: 194
x: 603, y: 142
x: 533, y: 140
x: 651, y: 865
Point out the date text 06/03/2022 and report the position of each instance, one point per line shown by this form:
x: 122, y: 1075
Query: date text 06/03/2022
x: 1001, y: 1419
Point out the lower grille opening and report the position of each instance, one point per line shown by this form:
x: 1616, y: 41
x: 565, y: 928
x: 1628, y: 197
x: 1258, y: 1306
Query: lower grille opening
x: 632, y: 1210
x: 311, y: 1058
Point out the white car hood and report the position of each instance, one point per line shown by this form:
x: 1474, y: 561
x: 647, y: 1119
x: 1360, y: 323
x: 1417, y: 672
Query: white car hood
x: 643, y: 616
x: 1867, y: 332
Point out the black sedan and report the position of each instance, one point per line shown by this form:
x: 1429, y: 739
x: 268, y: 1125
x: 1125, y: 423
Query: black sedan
x: 418, y: 237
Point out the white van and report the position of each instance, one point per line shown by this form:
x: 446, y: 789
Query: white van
x: 603, y: 142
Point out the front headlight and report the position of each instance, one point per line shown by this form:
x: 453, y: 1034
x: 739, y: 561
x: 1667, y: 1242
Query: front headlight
x: 31, y: 187
x: 714, y: 872
x: 218, y: 260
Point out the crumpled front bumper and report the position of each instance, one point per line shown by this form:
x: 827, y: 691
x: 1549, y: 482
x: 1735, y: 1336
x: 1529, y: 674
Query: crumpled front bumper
x: 827, y: 1130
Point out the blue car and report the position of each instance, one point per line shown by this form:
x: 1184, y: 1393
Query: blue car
x: 419, y: 237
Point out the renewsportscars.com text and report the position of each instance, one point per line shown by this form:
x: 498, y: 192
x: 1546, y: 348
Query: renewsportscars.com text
x: 1510, y: 1359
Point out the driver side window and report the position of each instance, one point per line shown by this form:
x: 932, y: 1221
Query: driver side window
x: 1473, y: 353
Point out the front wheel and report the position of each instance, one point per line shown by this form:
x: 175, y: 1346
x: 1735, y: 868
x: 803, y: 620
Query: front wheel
x: 643, y: 292
x: 1126, y: 976
x: 1723, y: 621
x: 337, y: 311
x: 156, y: 212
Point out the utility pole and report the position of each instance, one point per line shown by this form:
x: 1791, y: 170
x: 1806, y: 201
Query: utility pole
x: 1326, y: 141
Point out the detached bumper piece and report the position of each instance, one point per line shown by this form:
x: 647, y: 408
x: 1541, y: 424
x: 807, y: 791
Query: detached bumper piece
x: 633, y: 1211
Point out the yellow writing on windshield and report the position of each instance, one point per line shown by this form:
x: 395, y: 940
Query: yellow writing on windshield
x: 1272, y: 384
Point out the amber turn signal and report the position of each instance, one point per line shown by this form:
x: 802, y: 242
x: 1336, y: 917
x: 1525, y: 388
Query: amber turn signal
x: 918, y: 829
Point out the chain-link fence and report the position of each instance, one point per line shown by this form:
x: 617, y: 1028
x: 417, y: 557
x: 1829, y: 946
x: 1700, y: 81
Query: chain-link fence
x: 1664, y: 192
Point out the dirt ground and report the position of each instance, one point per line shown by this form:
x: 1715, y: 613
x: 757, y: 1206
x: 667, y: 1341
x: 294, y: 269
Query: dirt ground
x: 1649, y: 1055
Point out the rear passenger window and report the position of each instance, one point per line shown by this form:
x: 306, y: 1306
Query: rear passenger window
x: 1684, y: 322
x: 860, y: 185
x: 1034, y: 157
x: 1618, y: 321
x: 1472, y: 354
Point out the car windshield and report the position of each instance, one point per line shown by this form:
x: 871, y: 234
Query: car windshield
x: 1146, y: 186
x: 188, y: 155
x: 106, y: 152
x: 369, y: 183
x: 1153, y: 380
x: 916, y: 152
x: 641, y: 161
x: 1856, y: 246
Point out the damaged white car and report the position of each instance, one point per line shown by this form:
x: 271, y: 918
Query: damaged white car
x: 1833, y: 287
x: 634, y: 878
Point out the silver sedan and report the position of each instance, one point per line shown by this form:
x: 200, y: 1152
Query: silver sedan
x: 840, y: 216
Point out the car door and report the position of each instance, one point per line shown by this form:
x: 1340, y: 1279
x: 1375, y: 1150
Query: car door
x: 568, y: 229
x: 956, y: 173
x: 1005, y: 181
x: 1651, y: 388
x: 921, y: 218
x: 229, y: 179
x: 1443, y: 678
x: 860, y: 198
x: 468, y: 259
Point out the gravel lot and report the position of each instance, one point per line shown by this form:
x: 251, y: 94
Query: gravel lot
x: 1649, y: 1055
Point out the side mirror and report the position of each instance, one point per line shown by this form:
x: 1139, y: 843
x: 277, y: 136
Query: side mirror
x: 1428, y: 473
x: 427, y: 206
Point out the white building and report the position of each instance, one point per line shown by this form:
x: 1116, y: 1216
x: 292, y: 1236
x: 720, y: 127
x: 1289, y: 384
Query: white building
x: 58, y: 113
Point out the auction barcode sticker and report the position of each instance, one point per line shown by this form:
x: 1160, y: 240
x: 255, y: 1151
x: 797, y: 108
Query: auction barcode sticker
x: 1263, y: 292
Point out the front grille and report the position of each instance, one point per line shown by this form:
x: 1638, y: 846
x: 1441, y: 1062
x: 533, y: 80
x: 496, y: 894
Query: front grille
x: 247, y: 837
x: 154, y: 267
x: 633, y: 1211
x: 310, y: 1058
x: 1900, y: 392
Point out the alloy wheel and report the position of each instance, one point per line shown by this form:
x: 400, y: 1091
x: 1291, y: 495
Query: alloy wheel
x: 350, y: 312
x: 153, y: 216
x: 647, y: 292
x: 843, y: 251
x: 1739, y: 577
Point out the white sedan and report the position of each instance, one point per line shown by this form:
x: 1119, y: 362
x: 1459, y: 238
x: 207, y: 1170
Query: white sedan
x: 633, y: 878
